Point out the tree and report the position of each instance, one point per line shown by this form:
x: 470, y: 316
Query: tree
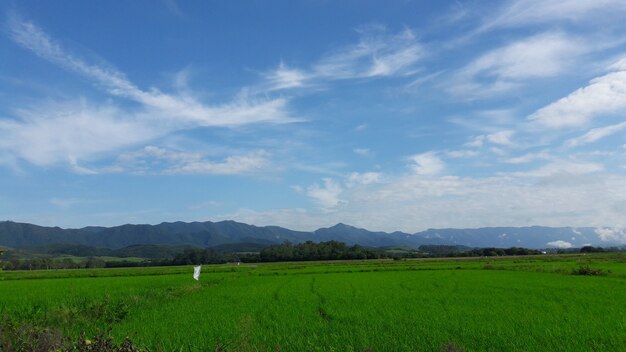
x: 93, y: 262
x: 309, y: 250
x: 591, y: 249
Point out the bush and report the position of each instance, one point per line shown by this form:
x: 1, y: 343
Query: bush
x: 587, y: 270
x: 591, y: 249
x: 16, y: 337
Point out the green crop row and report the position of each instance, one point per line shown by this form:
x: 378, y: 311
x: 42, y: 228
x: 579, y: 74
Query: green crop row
x: 478, y: 304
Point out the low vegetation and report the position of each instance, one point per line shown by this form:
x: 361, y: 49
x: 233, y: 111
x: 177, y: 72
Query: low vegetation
x: 526, y: 303
x: 587, y: 270
x: 72, y: 256
x: 24, y: 337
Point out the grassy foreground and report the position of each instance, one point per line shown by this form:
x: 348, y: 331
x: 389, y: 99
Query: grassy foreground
x: 504, y: 304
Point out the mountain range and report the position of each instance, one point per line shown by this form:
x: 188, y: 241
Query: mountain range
x: 211, y: 234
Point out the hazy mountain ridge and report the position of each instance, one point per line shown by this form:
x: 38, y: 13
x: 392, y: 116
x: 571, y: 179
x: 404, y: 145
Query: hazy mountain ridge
x: 209, y: 234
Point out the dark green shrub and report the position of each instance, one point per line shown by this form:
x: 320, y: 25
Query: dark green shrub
x: 18, y: 337
x: 587, y: 270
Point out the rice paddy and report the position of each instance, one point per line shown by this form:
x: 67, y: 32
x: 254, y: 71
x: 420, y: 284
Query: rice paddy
x: 478, y: 304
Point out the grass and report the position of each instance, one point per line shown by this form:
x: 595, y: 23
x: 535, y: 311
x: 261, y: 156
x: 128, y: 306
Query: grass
x: 477, y: 304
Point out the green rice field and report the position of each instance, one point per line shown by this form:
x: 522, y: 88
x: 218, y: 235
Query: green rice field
x: 534, y: 303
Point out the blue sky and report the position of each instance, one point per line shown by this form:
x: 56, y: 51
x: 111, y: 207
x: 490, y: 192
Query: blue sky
x: 405, y: 115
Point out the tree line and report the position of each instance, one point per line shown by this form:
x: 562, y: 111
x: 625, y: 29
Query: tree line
x: 47, y: 263
x: 498, y: 252
x: 287, y: 251
x: 309, y: 250
x: 306, y: 251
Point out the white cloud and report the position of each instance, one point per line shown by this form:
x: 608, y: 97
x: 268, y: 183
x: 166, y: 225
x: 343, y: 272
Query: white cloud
x: 498, y: 116
x: 596, y: 134
x: 65, y: 202
x: 33, y: 38
x: 604, y: 95
x: 394, y: 62
x: 563, y: 167
x: 476, y: 142
x: 153, y: 159
x: 501, y: 137
x: 498, y: 151
x: 543, y: 55
x: 236, y: 164
x: 426, y: 164
x: 365, y: 178
x: 412, y: 203
x: 204, y: 205
x: 79, y: 169
x: 462, y: 153
x: 608, y: 234
x: 523, y: 12
x: 377, y: 54
x: 284, y: 77
x: 560, y: 244
x: 424, y: 79
x: 70, y: 132
x: 360, y: 128
x: 529, y: 157
x: 64, y: 133
x: 502, y: 69
x: 327, y: 195
x: 361, y: 151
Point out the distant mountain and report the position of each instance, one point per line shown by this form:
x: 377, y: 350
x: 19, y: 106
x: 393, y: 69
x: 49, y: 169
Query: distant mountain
x: 529, y: 237
x: 215, y: 234
x: 136, y: 250
x: 352, y: 235
x: 14, y: 234
x: 202, y: 234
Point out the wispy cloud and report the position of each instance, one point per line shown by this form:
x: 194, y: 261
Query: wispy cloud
x: 525, y: 12
x: 327, y: 196
x: 47, y: 134
x: 426, y: 164
x: 501, y: 137
x: 180, y: 110
x: 361, y: 151
x: 596, y: 134
x: 284, y: 78
x: 604, y: 95
x: 360, y: 128
x: 364, y: 178
x: 67, y: 132
x: 66, y: 202
x: 475, y: 142
x: 563, y: 167
x: 502, y: 69
x: 152, y: 159
x: 412, y: 202
x: 528, y: 157
x: 464, y: 153
x: 377, y: 54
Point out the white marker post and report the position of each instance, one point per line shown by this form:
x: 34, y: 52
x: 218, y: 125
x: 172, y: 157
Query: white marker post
x: 196, y: 272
